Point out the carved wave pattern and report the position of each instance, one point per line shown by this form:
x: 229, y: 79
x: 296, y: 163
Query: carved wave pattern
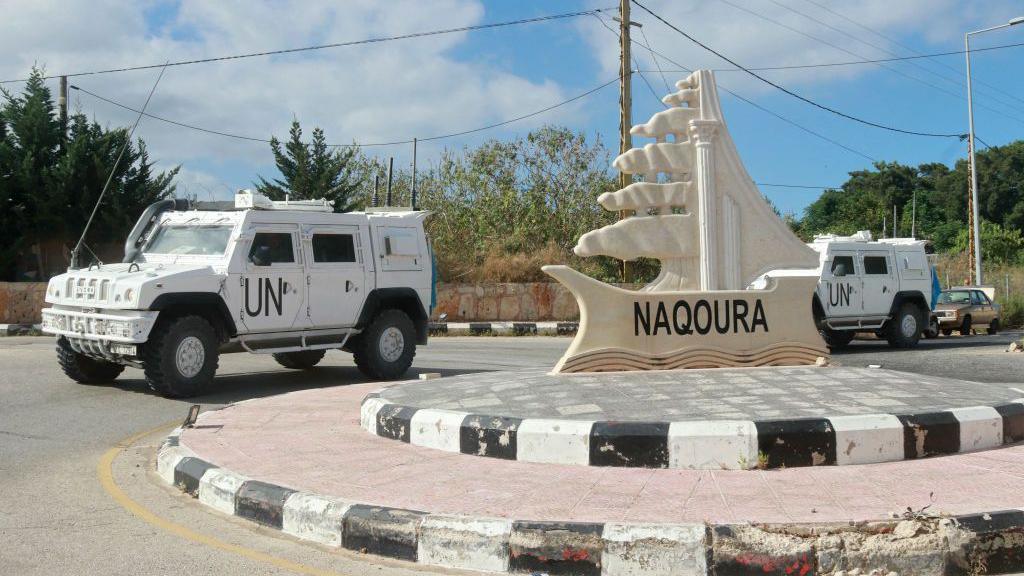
x: 622, y: 359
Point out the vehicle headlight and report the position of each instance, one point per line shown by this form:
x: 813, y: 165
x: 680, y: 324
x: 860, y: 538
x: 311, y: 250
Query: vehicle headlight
x: 129, y: 294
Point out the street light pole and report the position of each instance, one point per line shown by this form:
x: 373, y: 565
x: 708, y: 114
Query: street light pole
x: 976, y: 225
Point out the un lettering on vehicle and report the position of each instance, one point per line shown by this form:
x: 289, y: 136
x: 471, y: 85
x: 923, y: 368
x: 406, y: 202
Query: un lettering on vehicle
x: 268, y: 296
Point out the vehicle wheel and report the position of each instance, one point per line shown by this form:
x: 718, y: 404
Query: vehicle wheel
x: 933, y: 329
x: 181, y: 357
x: 83, y: 369
x: 993, y: 326
x: 947, y: 331
x: 387, y: 347
x: 965, y: 326
x: 904, y: 330
x: 837, y: 339
x: 302, y: 360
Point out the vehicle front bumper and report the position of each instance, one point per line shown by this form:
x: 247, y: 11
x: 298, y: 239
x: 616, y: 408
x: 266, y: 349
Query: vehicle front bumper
x: 109, y: 326
x: 947, y: 318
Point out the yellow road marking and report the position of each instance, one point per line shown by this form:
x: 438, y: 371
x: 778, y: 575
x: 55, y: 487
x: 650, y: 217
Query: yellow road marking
x: 104, y: 470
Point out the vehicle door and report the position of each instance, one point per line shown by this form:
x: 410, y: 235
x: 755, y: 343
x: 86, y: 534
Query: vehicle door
x: 273, y: 285
x: 982, y: 311
x: 842, y: 285
x: 335, y: 275
x: 878, y: 281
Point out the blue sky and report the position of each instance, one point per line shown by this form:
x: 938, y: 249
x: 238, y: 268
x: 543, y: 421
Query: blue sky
x: 443, y: 84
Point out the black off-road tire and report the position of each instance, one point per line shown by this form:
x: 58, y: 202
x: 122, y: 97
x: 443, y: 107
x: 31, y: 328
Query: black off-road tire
x: 368, y: 353
x: 160, y: 356
x: 993, y: 327
x: 83, y: 369
x: 301, y: 360
x: 965, y: 326
x: 837, y: 339
x: 896, y: 329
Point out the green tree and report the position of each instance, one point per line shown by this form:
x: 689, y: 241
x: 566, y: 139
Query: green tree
x: 999, y: 245
x: 50, y: 180
x: 311, y: 170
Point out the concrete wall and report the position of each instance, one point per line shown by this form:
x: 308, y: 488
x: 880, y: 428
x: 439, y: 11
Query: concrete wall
x: 510, y: 302
x: 20, y: 302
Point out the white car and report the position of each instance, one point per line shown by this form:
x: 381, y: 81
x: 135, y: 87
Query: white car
x: 881, y: 286
x: 292, y: 279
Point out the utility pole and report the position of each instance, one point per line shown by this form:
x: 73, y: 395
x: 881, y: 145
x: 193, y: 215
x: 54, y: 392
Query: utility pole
x: 391, y: 168
x: 62, y: 102
x: 970, y: 210
x: 413, y: 201
x: 913, y: 217
x: 625, y: 106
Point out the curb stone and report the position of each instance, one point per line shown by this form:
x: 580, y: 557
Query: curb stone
x: 21, y: 329
x: 712, y: 444
x: 503, y: 328
x: 926, y: 545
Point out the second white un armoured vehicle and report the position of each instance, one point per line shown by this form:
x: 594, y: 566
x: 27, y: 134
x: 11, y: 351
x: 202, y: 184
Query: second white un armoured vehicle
x: 882, y: 286
x: 292, y: 279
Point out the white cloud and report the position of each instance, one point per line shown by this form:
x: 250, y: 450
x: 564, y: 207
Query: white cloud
x: 755, y: 42
x: 380, y: 92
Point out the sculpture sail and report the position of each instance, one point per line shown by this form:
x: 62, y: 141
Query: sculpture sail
x: 699, y: 213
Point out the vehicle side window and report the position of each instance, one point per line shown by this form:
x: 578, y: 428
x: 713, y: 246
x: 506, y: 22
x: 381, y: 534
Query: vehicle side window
x: 333, y: 248
x: 273, y: 247
x: 875, y: 265
x: 977, y: 298
x: 846, y: 261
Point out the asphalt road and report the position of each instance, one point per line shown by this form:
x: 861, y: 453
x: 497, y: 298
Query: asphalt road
x: 57, y: 518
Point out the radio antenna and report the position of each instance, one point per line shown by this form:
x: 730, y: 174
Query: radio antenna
x: 113, y: 169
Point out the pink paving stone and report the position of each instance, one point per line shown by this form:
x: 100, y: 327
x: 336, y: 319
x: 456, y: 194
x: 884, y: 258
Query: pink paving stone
x: 311, y: 440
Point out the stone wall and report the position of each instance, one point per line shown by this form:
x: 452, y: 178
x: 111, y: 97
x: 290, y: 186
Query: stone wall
x: 534, y: 301
x: 20, y: 302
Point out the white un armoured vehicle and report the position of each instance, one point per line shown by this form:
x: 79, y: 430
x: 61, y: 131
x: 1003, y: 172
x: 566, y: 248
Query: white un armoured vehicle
x: 882, y: 286
x: 292, y: 279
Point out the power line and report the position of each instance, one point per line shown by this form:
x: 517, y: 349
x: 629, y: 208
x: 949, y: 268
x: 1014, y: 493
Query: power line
x: 797, y: 186
x: 859, y: 62
x: 913, y: 51
x: 773, y: 113
x: 326, y: 46
x: 790, y: 92
x: 408, y: 141
x: 945, y: 77
x: 635, y: 63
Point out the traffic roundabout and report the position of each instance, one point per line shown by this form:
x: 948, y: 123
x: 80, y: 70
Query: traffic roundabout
x: 304, y: 463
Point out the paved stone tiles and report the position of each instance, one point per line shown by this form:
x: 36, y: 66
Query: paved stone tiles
x: 742, y: 394
x: 311, y: 440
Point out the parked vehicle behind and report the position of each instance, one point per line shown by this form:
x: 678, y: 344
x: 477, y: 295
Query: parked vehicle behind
x: 965, y: 308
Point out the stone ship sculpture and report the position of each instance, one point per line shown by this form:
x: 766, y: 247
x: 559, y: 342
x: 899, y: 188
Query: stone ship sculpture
x: 697, y: 212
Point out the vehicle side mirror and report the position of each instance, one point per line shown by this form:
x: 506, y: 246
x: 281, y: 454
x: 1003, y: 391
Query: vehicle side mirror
x: 260, y: 256
x: 840, y: 270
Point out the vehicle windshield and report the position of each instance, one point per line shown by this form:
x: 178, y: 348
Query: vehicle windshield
x: 955, y: 297
x: 190, y: 239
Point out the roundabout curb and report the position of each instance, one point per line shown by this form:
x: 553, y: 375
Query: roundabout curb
x: 917, y: 544
x: 706, y: 444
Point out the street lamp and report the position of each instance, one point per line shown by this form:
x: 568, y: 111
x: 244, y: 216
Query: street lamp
x: 973, y: 165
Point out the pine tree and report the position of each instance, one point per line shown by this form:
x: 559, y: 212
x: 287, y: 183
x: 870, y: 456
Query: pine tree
x: 46, y: 193
x: 310, y: 171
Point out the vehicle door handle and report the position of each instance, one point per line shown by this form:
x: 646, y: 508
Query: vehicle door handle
x: 885, y: 289
x: 348, y: 285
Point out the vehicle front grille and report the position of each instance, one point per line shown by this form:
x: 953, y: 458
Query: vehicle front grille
x: 87, y: 290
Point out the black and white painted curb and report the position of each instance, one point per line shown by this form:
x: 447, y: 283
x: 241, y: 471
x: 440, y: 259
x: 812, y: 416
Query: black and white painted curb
x: 994, y: 540
x: 504, y: 328
x: 488, y: 544
x: 20, y: 329
x: 710, y: 444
